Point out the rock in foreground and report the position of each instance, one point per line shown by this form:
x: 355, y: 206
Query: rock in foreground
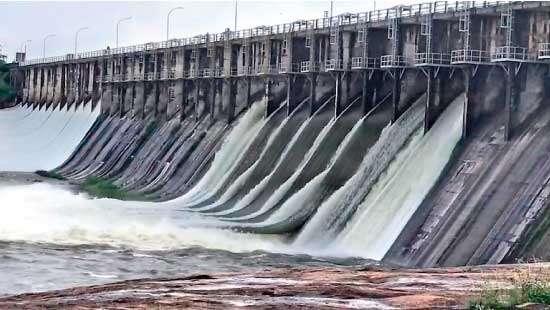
x: 295, y: 288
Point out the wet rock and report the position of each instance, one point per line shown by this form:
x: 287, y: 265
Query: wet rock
x: 286, y: 288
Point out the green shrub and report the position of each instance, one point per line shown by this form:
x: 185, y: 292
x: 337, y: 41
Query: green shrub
x: 528, y: 286
x: 102, y: 188
x: 6, y: 92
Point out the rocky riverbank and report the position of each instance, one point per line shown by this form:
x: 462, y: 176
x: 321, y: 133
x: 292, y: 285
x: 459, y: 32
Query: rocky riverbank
x: 294, y: 288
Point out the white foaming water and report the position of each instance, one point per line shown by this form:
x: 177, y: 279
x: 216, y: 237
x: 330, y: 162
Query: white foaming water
x: 42, y: 213
x: 298, y: 202
x: 287, y: 185
x: 45, y: 140
x: 388, y: 208
x: 336, y: 210
x: 232, y: 149
x: 257, y: 190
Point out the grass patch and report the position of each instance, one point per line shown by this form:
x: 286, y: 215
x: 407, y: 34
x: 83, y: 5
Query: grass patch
x: 50, y: 174
x: 102, y: 188
x: 528, y: 286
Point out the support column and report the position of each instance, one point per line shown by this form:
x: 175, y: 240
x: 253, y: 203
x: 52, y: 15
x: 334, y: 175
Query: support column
x: 429, y: 100
x: 312, y: 93
x: 248, y: 91
x: 290, y: 93
x: 509, y: 100
x: 230, y: 97
x: 396, y: 93
x: 268, y: 97
x: 338, y: 95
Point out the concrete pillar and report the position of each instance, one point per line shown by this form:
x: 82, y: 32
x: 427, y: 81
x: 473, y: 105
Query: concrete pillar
x: 106, y: 98
x: 248, y: 91
x: 229, y: 85
x: 39, y: 83
x: 337, y: 94
x: 269, y: 97
x: 312, y: 78
x: 430, y: 97
x: 57, y: 90
x: 396, y: 93
x: 467, y: 114
x: 367, y: 102
x: 510, y: 100
x: 196, y: 107
x: 229, y: 92
x: 291, y: 101
x: 344, y: 90
x: 139, y: 101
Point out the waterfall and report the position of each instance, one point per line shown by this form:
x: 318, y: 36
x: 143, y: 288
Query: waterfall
x: 386, y: 210
x: 336, y: 211
x: 43, y: 139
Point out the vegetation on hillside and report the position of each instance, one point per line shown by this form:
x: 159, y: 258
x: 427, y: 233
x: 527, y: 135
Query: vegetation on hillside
x: 530, y: 286
x: 6, y: 92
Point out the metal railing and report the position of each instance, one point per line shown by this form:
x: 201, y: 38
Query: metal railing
x: 106, y: 78
x: 308, y: 66
x: 297, y: 26
x: 388, y: 61
x: 469, y: 56
x: 510, y: 53
x: 267, y: 69
x: 432, y: 59
x: 333, y: 64
x: 364, y: 63
x: 242, y: 71
x: 139, y: 76
x: 544, y: 51
x: 151, y: 76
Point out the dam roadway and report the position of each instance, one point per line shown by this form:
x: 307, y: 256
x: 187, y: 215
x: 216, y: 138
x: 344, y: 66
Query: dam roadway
x: 416, y: 135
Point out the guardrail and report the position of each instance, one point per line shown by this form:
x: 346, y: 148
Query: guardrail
x: 421, y: 59
x: 389, y: 61
x: 364, y: 63
x: 296, y: 26
x: 510, y: 53
x: 544, y: 51
x: 469, y: 56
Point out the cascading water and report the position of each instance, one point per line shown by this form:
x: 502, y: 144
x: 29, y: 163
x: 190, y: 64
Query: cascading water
x: 386, y: 210
x: 234, y: 146
x: 26, y: 147
x: 340, y: 207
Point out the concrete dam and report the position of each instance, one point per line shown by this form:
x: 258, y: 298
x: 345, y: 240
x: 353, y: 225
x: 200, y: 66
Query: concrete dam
x: 416, y: 135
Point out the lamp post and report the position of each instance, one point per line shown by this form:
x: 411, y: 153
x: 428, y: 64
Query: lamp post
x: 24, y: 43
x: 117, y: 24
x: 44, y: 44
x: 236, y: 2
x: 76, y: 38
x: 168, y: 21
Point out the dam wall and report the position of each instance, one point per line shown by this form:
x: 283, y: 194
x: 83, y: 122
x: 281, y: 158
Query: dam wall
x: 406, y: 50
x: 415, y: 135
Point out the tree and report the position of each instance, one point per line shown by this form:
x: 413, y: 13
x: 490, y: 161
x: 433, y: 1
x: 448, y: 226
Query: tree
x: 6, y: 92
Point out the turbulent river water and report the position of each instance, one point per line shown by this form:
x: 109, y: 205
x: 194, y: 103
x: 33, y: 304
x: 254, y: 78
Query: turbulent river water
x: 52, y: 238
x: 280, y: 191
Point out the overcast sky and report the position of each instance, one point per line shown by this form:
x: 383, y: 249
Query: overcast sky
x: 20, y: 21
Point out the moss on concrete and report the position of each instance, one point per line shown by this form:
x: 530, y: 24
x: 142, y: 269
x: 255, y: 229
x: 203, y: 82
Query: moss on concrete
x: 103, y: 188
